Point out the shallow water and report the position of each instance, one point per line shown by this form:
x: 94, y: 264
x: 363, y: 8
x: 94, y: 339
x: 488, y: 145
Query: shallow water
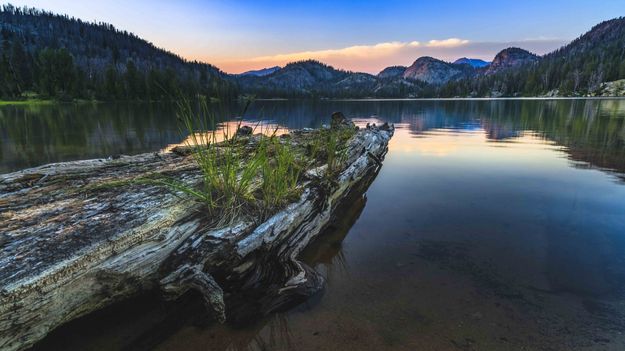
x: 493, y: 225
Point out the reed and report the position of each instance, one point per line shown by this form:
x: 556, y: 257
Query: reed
x: 252, y: 177
x: 334, y: 143
x: 229, y: 172
x: 281, y: 166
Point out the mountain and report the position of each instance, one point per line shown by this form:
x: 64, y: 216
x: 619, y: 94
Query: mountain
x: 511, y: 57
x: 302, y: 79
x: 433, y: 71
x: 63, y: 57
x: 580, y: 68
x: 357, y: 80
x: 392, y: 72
x: 261, y: 72
x: 587, y: 66
x: 583, y: 65
x: 55, y: 56
x: 312, y: 78
x: 295, y: 79
x: 475, y: 63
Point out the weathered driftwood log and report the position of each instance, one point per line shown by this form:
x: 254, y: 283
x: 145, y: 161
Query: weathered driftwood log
x: 66, y: 251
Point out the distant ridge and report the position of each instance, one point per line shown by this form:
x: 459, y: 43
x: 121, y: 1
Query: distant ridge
x: 475, y: 63
x: 55, y: 56
x: 434, y: 71
x: 392, y: 72
x: 590, y: 65
x: 512, y: 57
x: 261, y: 72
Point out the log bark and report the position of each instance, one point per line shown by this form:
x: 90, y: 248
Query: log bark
x: 67, y: 250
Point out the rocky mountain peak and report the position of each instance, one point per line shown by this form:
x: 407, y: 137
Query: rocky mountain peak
x: 392, y: 72
x: 475, y: 63
x: 261, y: 72
x: 512, y: 57
x: 434, y: 71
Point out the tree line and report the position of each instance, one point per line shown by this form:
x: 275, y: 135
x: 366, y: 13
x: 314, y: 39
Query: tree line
x: 576, y: 69
x: 56, y: 56
x: 59, y: 57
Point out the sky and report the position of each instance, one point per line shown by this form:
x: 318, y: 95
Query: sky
x: 365, y: 36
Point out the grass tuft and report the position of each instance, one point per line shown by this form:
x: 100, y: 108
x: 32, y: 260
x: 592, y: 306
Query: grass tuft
x: 228, y: 170
x: 280, y: 168
x: 250, y: 176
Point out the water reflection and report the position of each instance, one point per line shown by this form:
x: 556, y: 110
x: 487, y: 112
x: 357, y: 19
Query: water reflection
x: 592, y: 130
x: 34, y: 135
x: 226, y: 130
x: 493, y: 225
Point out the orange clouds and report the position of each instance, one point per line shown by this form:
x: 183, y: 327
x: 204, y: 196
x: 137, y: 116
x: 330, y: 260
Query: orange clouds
x: 447, y: 43
x: 373, y: 58
x: 368, y: 58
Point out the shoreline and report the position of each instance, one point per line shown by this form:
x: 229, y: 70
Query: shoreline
x: 41, y: 102
x: 488, y: 98
x: 455, y: 99
x: 33, y: 102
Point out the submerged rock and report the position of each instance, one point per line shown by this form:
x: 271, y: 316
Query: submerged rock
x: 245, y: 130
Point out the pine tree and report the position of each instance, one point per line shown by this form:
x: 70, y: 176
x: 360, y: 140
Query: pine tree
x: 22, y: 65
x: 111, y: 85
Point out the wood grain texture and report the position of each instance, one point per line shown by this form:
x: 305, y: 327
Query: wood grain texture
x: 69, y: 246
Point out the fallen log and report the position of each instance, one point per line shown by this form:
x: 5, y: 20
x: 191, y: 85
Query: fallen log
x: 70, y: 244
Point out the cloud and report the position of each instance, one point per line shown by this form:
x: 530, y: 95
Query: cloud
x: 356, y: 51
x: 447, y: 43
x: 373, y: 58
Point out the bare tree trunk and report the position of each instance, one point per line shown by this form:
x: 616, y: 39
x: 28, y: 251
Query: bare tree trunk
x: 71, y: 245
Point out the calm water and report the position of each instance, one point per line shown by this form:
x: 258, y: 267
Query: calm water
x: 493, y: 225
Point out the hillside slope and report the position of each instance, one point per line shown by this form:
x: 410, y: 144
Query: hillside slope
x: 475, y: 63
x: 312, y: 78
x: 580, y: 68
x: 59, y: 56
x: 392, y: 72
x: 433, y: 71
x: 511, y: 58
x: 260, y: 72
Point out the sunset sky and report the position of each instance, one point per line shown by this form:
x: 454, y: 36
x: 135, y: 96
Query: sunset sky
x: 357, y: 35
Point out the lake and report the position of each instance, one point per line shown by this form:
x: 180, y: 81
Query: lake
x: 492, y: 225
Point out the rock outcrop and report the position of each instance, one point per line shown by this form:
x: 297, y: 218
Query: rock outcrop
x: 433, y: 71
x: 475, y: 63
x: 511, y: 57
x: 392, y: 72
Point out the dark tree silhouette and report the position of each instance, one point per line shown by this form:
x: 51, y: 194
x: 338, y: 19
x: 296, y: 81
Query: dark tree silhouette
x: 58, y: 56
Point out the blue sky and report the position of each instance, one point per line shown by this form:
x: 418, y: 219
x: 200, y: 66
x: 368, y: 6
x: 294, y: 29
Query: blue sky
x: 357, y: 35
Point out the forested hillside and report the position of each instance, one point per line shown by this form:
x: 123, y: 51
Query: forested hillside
x: 313, y: 79
x: 581, y: 68
x: 576, y: 69
x: 56, y: 56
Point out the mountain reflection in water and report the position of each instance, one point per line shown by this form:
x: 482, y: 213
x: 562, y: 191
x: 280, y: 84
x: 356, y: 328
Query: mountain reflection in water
x: 492, y: 225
